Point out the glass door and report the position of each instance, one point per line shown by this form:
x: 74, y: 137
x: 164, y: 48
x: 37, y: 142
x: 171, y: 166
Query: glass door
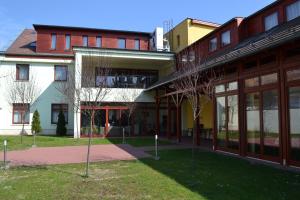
x: 294, y: 123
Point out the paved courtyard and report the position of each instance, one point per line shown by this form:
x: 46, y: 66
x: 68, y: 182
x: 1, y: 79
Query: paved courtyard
x: 74, y: 154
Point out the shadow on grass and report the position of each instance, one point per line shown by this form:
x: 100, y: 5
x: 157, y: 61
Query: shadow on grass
x: 213, y: 176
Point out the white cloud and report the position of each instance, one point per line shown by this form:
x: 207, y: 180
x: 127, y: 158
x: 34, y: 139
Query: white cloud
x: 9, y: 29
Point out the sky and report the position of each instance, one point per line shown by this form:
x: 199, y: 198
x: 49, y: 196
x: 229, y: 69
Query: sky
x: 134, y: 15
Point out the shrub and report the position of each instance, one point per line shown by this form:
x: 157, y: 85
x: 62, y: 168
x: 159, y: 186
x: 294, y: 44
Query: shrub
x: 61, y: 129
x: 36, y: 123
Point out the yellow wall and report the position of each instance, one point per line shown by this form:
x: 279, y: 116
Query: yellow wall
x: 206, y: 116
x: 189, y: 33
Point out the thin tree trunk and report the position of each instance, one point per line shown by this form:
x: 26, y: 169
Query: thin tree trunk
x: 22, y: 132
x: 89, y: 147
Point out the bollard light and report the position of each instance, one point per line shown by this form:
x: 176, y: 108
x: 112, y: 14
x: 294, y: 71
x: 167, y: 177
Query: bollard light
x: 5, y: 150
x: 156, y: 150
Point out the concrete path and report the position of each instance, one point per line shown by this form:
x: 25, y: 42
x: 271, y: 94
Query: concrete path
x: 73, y: 154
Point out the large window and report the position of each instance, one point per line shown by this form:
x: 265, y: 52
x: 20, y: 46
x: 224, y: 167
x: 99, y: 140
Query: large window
x: 53, y: 41
x: 271, y: 21
x: 68, y: 42
x: 121, y: 43
x: 293, y: 11
x: 22, y: 72
x: 294, y: 116
x: 55, y: 109
x: 122, y: 78
x: 21, y: 113
x: 98, y: 41
x: 228, y: 136
x: 226, y: 38
x: 85, y: 40
x: 61, y: 73
x: 262, y: 115
x: 213, y: 43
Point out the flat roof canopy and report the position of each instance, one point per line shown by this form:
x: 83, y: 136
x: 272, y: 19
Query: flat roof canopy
x: 129, y: 58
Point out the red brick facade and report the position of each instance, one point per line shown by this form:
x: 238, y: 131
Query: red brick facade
x: 241, y: 29
x: 109, y: 39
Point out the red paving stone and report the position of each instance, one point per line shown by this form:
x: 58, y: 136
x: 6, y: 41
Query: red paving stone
x: 74, y: 154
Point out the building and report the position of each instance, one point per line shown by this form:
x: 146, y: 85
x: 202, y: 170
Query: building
x: 253, y: 113
x: 48, y: 53
x: 187, y: 32
x: 256, y: 106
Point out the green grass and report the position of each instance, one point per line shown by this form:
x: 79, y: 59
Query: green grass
x: 14, y: 142
x: 175, y: 176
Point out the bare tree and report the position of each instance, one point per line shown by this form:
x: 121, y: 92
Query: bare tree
x: 94, y: 90
x: 24, y: 94
x: 195, y: 85
x: 129, y: 98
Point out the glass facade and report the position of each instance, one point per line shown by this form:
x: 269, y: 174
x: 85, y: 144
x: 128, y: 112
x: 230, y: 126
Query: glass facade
x: 253, y: 123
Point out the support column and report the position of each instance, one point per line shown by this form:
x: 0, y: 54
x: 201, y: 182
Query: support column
x: 169, y: 118
x: 157, y: 113
x: 77, y: 81
x: 197, y: 125
x: 178, y: 123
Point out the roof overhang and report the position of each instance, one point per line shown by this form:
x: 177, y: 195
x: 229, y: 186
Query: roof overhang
x: 130, y: 58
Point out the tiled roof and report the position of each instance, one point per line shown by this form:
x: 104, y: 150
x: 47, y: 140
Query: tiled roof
x: 23, y: 43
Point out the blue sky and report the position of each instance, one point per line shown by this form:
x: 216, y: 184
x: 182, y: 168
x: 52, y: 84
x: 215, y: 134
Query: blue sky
x: 139, y: 15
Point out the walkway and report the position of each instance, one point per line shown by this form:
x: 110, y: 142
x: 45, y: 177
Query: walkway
x: 77, y: 154
x: 73, y: 154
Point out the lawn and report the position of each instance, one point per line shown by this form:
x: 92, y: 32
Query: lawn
x: 14, y: 142
x: 177, y: 175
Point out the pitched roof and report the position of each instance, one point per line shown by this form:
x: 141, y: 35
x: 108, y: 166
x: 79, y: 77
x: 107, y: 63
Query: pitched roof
x: 283, y: 33
x: 23, y: 43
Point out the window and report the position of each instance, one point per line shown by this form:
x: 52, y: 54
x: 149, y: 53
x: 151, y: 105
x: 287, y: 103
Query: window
x: 20, y: 113
x: 129, y: 78
x: 60, y: 73
x: 213, y: 44
x: 293, y: 75
x: 22, y: 72
x: 226, y: 38
x: 55, y: 109
x: 268, y: 79
x: 271, y: 21
x: 53, y: 41
x: 137, y: 44
x: 121, y: 43
x: 293, y: 11
x: 85, y: 40
x: 68, y: 42
x: 98, y: 41
x: 178, y: 40
x: 252, y: 82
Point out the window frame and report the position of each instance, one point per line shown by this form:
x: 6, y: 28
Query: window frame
x: 83, y: 40
x: 122, y: 39
x: 270, y: 15
x: 69, y: 46
x: 65, y: 109
x: 139, y: 44
x: 210, y: 42
x: 53, y: 44
x: 100, y: 39
x: 286, y: 10
x: 222, y: 43
x: 22, y: 109
x: 18, y: 72
x: 61, y: 66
